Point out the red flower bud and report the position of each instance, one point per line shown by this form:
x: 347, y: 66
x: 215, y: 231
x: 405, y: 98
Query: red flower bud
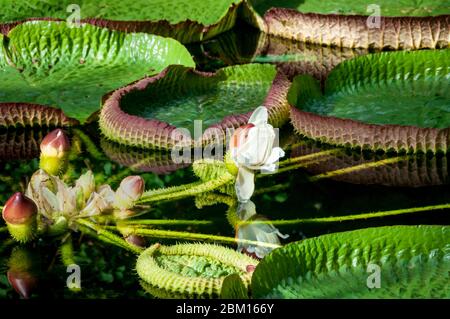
x: 23, y: 282
x: 20, y: 214
x: 19, y: 209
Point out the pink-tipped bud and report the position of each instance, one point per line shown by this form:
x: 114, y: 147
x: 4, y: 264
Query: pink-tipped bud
x: 55, y: 144
x: 19, y: 209
x: 20, y: 214
x: 129, y: 191
x: 133, y: 186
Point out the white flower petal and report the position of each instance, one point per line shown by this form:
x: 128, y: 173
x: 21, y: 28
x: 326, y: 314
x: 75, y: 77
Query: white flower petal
x: 246, y: 210
x: 50, y: 201
x: 86, y: 185
x: 95, y: 205
x: 275, y: 155
x: 106, y: 193
x: 245, y: 184
x: 259, y: 116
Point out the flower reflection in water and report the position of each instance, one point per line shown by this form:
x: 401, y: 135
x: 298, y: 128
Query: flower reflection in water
x: 255, y: 228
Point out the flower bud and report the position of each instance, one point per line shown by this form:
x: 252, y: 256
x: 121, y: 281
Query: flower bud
x: 23, y: 282
x: 129, y: 191
x: 21, y: 274
x: 20, y: 214
x: 54, y: 152
x: 136, y: 240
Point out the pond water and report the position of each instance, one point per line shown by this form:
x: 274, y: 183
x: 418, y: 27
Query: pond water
x: 287, y: 199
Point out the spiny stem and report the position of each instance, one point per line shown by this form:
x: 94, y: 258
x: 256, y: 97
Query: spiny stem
x: 168, y: 190
x: 109, y: 237
x: 295, y: 166
x: 352, y: 217
x: 164, y: 222
x: 274, y: 188
x: 170, y: 234
x: 309, y: 157
x: 192, y: 191
x: 360, y: 167
x: 3, y: 229
x: 66, y: 251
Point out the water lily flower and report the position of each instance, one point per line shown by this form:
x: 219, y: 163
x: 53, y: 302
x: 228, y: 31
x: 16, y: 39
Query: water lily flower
x: 54, y: 152
x: 252, y: 147
x: 265, y: 233
x: 20, y: 214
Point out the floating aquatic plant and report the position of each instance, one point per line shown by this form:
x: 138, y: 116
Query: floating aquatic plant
x: 411, y: 262
x: 185, y: 20
x: 369, y: 101
x: 54, y: 67
x: 190, y: 270
x: 147, y: 114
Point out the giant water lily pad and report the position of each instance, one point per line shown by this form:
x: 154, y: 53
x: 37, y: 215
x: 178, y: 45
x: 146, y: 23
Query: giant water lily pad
x: 185, y: 20
x: 190, y: 270
x: 403, y: 24
x: 147, y: 113
x: 390, y: 101
x: 52, y: 64
x: 410, y: 261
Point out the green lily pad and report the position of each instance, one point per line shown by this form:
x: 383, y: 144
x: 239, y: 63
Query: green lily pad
x: 234, y: 90
x: 191, y: 270
x: 344, y: 7
x: 384, y: 262
x: 52, y: 64
x: 398, y: 101
x: 150, y: 110
x: 185, y: 20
